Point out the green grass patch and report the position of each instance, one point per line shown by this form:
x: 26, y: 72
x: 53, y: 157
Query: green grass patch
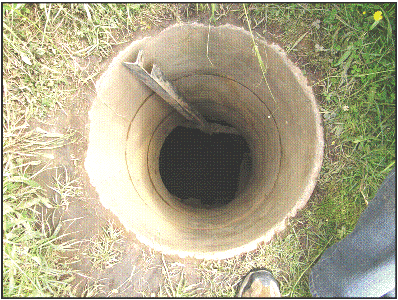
x: 32, y: 266
x: 32, y: 260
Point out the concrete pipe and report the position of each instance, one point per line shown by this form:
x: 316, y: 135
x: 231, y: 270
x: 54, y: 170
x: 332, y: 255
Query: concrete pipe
x: 217, y: 71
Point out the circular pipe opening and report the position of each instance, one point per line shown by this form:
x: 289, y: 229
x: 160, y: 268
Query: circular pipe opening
x: 138, y: 144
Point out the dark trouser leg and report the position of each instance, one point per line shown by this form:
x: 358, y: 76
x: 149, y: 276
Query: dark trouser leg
x: 362, y: 264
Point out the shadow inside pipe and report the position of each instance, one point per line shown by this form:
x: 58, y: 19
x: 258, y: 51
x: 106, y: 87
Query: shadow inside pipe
x: 204, y: 170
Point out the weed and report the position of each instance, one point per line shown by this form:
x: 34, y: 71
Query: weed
x: 104, y: 251
x: 258, y: 55
x: 31, y: 263
x: 65, y: 188
x: 175, y: 290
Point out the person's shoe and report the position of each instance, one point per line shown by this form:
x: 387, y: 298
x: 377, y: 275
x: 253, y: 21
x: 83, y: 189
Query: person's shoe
x: 259, y: 284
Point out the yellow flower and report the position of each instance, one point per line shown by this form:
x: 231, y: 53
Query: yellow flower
x: 377, y: 16
x: 364, y: 13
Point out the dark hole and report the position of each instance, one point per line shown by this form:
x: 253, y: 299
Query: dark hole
x: 197, y: 165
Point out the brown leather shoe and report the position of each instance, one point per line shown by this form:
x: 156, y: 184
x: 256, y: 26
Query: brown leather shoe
x: 259, y: 284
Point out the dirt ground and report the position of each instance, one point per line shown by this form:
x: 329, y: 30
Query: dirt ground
x: 139, y: 270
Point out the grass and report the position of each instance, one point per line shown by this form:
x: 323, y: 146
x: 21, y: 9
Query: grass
x: 173, y: 289
x: 32, y: 262
x: 349, y: 57
x: 104, y: 252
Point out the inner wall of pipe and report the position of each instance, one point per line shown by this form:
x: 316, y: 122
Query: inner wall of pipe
x: 235, y: 105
